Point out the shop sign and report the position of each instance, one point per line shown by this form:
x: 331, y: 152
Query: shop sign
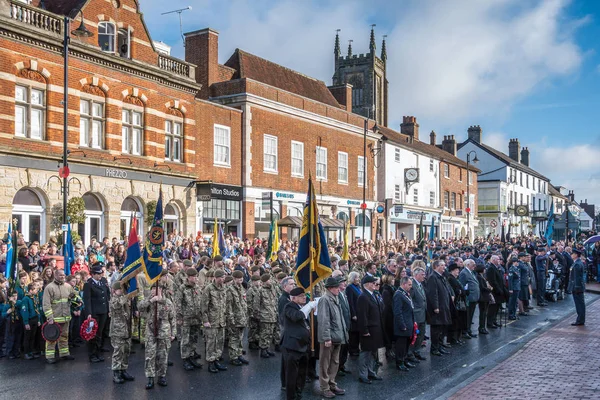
x: 287, y: 196
x: 206, y: 191
x: 115, y: 173
x: 354, y: 203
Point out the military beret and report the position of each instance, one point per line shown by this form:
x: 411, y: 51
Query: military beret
x: 360, y: 257
x: 210, y: 274
x: 188, y: 263
x: 218, y: 257
x: 369, y: 279
x: 281, y: 275
x: 343, y: 262
x: 523, y: 254
x: 255, y: 268
x: 265, y: 277
x: 274, y: 264
x: 237, y: 274
x: 541, y: 249
x: 116, y: 285
x: 514, y: 259
x: 228, y: 278
x: 191, y: 272
x: 297, y: 291
x: 255, y: 278
x: 577, y: 251
x: 219, y: 273
x: 277, y: 270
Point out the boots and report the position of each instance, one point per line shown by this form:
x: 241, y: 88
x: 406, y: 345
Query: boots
x: 187, y: 365
x: 236, y: 362
x: 150, y: 384
x: 401, y: 367
x: 253, y: 346
x: 264, y: 354
x: 126, y: 375
x: 162, y: 381
x: 270, y: 353
x: 212, y: 368
x: 243, y: 360
x: 118, y: 377
x: 195, y: 363
x: 220, y: 366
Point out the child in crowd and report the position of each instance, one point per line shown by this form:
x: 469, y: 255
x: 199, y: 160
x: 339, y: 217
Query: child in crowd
x: 31, y: 312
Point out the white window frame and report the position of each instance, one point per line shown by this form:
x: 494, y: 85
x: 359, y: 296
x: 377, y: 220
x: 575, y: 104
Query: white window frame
x: 397, y: 155
x: 397, y: 193
x: 275, y: 154
x: 126, y: 33
x: 88, y: 119
x: 362, y: 163
x: 446, y: 170
x: 129, y: 130
x: 173, y: 140
x: 342, y: 167
x: 111, y: 44
x: 431, y: 165
x: 28, y: 109
x: 320, y: 157
x: 225, y: 146
x: 301, y: 159
x: 470, y: 177
x: 416, y: 196
x: 432, y: 199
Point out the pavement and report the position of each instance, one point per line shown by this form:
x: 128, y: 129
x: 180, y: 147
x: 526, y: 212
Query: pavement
x: 260, y: 380
x: 592, y: 287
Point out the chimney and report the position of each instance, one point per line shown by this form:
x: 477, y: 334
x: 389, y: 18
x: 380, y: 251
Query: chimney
x: 343, y: 95
x: 202, y: 49
x: 513, y: 150
x: 410, y: 127
x: 432, y: 138
x: 474, y: 132
x: 525, y: 156
x: 449, y: 144
x: 571, y: 196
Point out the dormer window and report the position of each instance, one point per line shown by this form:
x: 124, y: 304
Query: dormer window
x: 106, y: 36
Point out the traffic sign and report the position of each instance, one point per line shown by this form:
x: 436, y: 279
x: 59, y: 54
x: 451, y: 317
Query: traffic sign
x: 64, y: 172
x: 380, y: 209
x: 493, y: 223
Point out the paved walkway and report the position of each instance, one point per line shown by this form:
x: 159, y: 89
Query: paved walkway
x: 561, y: 363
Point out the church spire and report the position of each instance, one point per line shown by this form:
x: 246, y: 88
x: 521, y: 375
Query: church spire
x: 372, y: 43
x: 350, y: 48
x: 336, y: 49
x: 383, y: 50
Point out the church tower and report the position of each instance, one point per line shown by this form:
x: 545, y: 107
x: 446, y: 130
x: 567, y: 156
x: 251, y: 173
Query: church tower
x: 367, y: 75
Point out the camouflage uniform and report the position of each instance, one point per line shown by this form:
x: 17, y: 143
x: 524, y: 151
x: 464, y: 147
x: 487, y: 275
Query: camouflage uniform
x: 265, y: 310
x: 252, y: 320
x: 213, y: 311
x: 139, y: 323
x: 157, y: 347
x: 120, y: 331
x: 188, y: 312
x: 237, y: 318
x: 277, y: 331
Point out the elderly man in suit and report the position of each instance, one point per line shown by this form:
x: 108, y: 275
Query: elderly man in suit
x: 370, y: 327
x: 417, y: 293
x: 404, y: 323
x: 577, y: 286
x: 469, y: 281
x: 439, y: 297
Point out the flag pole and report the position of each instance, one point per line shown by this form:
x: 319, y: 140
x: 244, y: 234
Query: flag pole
x: 312, y: 264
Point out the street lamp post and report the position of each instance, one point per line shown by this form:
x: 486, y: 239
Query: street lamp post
x: 475, y: 160
x: 364, y: 182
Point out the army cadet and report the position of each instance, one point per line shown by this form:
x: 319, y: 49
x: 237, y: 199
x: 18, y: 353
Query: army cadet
x: 139, y: 320
x: 237, y: 318
x: 265, y: 310
x: 218, y: 262
x: 120, y: 333
x: 203, y: 274
x: 213, y: 315
x: 252, y: 320
x: 188, y: 317
x: 278, y: 292
x: 157, y: 307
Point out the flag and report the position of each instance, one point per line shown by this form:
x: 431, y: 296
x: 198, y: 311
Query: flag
x: 153, y: 246
x: 133, y: 261
x: 431, y: 237
x: 312, y: 263
x: 345, y: 253
x: 11, y: 260
x: 273, y: 246
x: 9, y: 253
x: 69, y: 252
x: 550, y: 226
x: 421, y: 235
x: 502, y: 237
x: 222, y: 247
x: 215, y: 240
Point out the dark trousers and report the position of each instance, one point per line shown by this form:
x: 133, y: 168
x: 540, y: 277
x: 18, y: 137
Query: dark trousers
x: 296, y: 364
x: 512, y: 303
x: 74, y: 328
x: 354, y: 342
x: 29, y: 342
x: 470, y: 312
x: 2, y: 335
x: 95, y: 345
x: 492, y: 315
x: 483, y: 310
x: 416, y: 348
x: 541, y: 287
x: 579, y: 300
x: 343, y: 355
x: 14, y: 337
x: 437, y: 332
x: 402, y: 344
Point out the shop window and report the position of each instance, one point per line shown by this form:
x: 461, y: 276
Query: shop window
x: 28, y: 210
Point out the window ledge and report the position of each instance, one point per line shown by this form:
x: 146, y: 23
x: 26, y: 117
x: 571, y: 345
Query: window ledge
x: 27, y: 139
x: 84, y: 148
x: 271, y: 172
x: 297, y: 176
x: 321, y: 179
x: 345, y: 183
x: 221, y: 165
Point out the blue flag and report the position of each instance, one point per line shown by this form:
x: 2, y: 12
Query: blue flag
x: 9, y: 253
x: 222, y: 247
x: 153, y: 246
x: 69, y: 252
x: 550, y: 226
x: 133, y: 261
x: 312, y: 264
x: 431, y: 237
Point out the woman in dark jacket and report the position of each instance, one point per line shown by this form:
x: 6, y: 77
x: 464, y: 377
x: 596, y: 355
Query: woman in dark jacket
x: 352, y: 292
x: 484, y: 299
x: 387, y: 292
x: 22, y: 258
x: 459, y: 319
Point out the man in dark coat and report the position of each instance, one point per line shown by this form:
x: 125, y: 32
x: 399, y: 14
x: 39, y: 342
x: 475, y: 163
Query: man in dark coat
x: 468, y: 279
x: 499, y: 291
x: 404, y: 320
x: 370, y: 327
x: 287, y: 284
x: 296, y: 338
x: 438, y: 306
x: 577, y: 286
x: 420, y: 311
x: 96, y: 297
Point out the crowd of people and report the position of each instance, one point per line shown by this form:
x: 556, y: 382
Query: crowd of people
x: 393, y: 295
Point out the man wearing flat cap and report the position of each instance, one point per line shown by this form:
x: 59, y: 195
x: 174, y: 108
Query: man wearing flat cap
x: 96, y: 297
x: 577, y: 286
x: 237, y: 318
x: 213, y: 316
x: 188, y: 305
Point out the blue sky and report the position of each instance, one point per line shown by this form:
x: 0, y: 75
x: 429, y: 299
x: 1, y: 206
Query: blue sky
x: 526, y: 69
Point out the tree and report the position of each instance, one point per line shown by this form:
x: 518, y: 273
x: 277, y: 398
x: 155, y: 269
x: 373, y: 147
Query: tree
x: 150, y: 210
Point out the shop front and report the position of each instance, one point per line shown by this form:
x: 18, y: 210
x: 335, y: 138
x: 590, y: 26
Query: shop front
x: 404, y: 222
x: 220, y: 202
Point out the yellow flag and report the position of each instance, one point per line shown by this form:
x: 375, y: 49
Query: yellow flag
x: 345, y: 254
x: 215, y: 240
x: 275, y: 243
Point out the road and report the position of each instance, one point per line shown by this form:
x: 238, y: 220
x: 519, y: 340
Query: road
x: 260, y: 380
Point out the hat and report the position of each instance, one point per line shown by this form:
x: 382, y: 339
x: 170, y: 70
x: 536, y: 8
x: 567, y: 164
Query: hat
x: 453, y: 266
x: 237, y: 274
x: 577, y: 251
x: 332, y: 282
x: 96, y: 269
x: 514, y: 259
x: 219, y: 273
x: 254, y: 278
x: 228, y: 278
x: 210, y: 274
x: 297, y: 291
x: 218, y: 257
x: 366, y: 279
x: 188, y: 263
x: 541, y: 249
x: 343, y: 262
x: 265, y: 277
x: 281, y: 275
x: 116, y: 285
x: 255, y: 268
x: 191, y: 272
x: 523, y: 254
x: 277, y: 270
x: 50, y: 332
x: 360, y: 257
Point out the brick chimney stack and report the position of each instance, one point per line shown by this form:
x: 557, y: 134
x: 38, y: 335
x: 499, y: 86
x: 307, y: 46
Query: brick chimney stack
x: 410, y: 127
x: 513, y: 150
x: 525, y: 156
x: 449, y: 144
x: 202, y: 49
x: 432, y: 138
x: 474, y: 133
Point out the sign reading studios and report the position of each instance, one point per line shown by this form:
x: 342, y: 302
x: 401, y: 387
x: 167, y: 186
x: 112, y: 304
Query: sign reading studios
x: 206, y: 191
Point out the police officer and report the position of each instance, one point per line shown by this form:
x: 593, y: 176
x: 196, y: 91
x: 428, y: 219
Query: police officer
x: 577, y: 286
x: 96, y: 298
x: 514, y: 287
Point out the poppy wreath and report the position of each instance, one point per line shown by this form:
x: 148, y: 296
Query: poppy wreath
x: 88, y: 329
x: 413, y: 338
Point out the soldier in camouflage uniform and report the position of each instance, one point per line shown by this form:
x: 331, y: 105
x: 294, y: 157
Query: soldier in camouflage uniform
x: 120, y: 333
x: 278, y: 292
x: 188, y: 316
x: 158, y: 336
x: 203, y: 274
x: 139, y: 320
x: 255, y: 284
x: 265, y: 310
x: 213, y: 315
x: 237, y: 318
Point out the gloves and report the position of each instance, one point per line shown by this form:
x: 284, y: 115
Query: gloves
x: 308, y: 307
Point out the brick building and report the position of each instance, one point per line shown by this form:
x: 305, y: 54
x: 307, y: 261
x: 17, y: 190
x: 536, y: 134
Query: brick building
x: 134, y: 122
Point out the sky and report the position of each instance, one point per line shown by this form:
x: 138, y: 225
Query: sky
x: 525, y: 69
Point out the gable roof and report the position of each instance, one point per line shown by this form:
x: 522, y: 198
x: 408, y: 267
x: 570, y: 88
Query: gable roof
x: 555, y: 193
x: 425, y: 148
x: 505, y: 159
x: 253, y: 67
